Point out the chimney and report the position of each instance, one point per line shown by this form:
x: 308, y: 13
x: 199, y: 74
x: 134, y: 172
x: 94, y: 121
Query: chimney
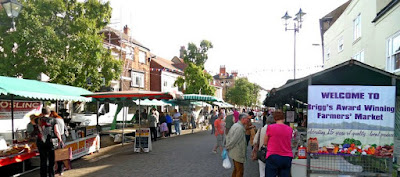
x: 235, y: 73
x: 182, y: 52
x: 222, y: 70
x: 127, y: 31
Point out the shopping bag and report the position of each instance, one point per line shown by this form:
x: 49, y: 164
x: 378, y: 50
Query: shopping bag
x: 63, y: 154
x: 312, y: 145
x: 208, y: 127
x: 224, y: 154
x: 226, y: 163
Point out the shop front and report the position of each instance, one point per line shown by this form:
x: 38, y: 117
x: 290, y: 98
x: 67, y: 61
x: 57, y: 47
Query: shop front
x: 350, y: 112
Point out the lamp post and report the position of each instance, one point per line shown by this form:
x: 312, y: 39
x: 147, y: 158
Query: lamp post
x: 12, y: 8
x: 297, y: 23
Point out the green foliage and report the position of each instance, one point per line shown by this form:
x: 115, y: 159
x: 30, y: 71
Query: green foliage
x: 59, y: 38
x: 197, y: 55
x: 243, y: 93
x: 196, y: 80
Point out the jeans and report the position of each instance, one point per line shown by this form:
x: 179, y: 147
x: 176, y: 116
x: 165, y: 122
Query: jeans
x: 277, y: 165
x: 46, y: 153
x: 153, y: 135
x: 213, y: 129
x: 247, y: 140
x: 169, y: 129
x: 177, y: 127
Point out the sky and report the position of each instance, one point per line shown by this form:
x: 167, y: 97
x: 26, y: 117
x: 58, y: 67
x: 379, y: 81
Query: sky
x: 248, y: 36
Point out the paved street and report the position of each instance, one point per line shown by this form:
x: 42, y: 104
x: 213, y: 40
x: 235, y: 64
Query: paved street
x: 183, y: 155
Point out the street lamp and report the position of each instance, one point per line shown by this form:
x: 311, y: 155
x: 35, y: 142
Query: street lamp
x: 297, y: 23
x: 12, y: 8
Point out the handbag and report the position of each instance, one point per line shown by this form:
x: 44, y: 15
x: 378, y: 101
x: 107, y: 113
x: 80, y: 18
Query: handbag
x: 255, y: 147
x: 63, y: 154
x: 262, y: 153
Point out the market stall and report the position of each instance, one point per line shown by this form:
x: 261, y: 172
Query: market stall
x: 351, y: 125
x: 19, y: 99
x: 126, y: 98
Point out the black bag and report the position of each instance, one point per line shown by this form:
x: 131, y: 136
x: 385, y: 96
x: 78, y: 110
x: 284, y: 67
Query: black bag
x: 261, y: 154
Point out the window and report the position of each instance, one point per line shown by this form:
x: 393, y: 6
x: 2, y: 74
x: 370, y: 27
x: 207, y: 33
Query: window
x: 328, y: 53
x: 359, y: 56
x: 357, y: 27
x: 142, y: 57
x: 137, y: 79
x: 130, y: 53
x: 340, y: 44
x: 393, y: 52
x: 165, y: 84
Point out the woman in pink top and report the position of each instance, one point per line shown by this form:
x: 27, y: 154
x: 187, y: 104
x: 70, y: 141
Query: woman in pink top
x: 279, y: 154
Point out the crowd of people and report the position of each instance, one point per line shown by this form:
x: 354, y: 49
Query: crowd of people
x: 235, y: 132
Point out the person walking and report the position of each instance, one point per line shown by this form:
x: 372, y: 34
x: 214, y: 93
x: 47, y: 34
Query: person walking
x: 229, y: 120
x: 259, y: 140
x: 212, y: 120
x: 46, y: 141
x: 236, y: 145
x: 169, y: 124
x: 278, y: 140
x: 219, y: 125
x: 264, y: 117
x: 249, y: 126
x: 193, y: 118
x: 153, y: 125
x: 177, y: 121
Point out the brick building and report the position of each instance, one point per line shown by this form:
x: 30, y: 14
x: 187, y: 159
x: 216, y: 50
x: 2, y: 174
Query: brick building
x: 225, y: 80
x: 135, y: 56
x: 163, y: 74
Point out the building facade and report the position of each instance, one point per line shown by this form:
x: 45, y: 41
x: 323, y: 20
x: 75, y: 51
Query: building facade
x: 225, y: 80
x: 163, y: 75
x: 368, y: 31
x: 135, y: 56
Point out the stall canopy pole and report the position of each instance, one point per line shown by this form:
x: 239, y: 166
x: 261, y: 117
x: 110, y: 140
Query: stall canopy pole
x: 12, y: 116
x: 123, y: 121
x: 97, y: 112
x: 140, y: 141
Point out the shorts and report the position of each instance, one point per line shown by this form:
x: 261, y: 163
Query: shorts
x: 219, y: 140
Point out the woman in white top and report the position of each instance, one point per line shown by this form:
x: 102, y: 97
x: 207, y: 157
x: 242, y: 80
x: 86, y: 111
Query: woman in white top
x: 263, y: 132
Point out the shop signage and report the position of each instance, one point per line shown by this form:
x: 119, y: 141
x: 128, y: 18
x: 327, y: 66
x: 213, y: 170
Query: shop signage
x: 352, y: 119
x: 143, y: 140
x: 21, y: 108
x: 84, y: 146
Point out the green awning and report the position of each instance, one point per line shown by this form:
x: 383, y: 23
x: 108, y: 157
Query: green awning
x: 196, y: 97
x: 33, y: 89
x: 223, y: 104
x: 152, y: 103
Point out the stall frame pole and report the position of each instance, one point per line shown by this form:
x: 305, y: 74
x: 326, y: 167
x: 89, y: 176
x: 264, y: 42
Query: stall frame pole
x: 97, y: 112
x: 123, y: 122
x: 140, y: 126
x: 12, y: 118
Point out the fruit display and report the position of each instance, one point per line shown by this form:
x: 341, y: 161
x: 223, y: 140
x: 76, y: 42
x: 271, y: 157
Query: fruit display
x: 355, y: 147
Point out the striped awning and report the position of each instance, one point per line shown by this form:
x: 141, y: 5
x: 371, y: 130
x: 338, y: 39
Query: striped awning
x: 196, y: 97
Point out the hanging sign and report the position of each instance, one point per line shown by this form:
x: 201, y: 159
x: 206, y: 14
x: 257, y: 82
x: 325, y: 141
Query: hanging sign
x: 21, y: 108
x: 352, y: 119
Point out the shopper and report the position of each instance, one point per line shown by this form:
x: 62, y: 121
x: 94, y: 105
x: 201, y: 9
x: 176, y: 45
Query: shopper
x: 249, y: 126
x: 236, y: 145
x: 219, y: 133
x: 212, y: 120
x: 264, y: 117
x: 229, y: 120
x: 236, y: 115
x: 258, y: 143
x: 32, y: 128
x: 193, y: 118
x: 143, y: 115
x: 169, y: 124
x: 46, y: 140
x: 177, y: 121
x: 153, y: 125
x: 279, y: 155
x: 62, y: 131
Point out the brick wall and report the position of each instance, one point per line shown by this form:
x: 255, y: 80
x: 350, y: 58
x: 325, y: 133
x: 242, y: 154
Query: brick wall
x: 155, y: 77
x: 145, y: 67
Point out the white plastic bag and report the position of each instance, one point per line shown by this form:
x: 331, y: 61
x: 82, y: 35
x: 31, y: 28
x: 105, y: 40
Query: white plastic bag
x: 226, y: 163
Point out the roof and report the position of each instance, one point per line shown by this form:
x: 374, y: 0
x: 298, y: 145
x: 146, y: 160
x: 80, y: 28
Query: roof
x: 331, y: 17
x: 217, y: 76
x: 37, y: 90
x: 123, y: 36
x: 385, y: 10
x: 351, y: 72
x: 168, y: 64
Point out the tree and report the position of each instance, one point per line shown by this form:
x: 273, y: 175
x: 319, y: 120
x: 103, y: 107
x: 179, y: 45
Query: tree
x: 197, y: 55
x: 243, y: 93
x: 196, y: 79
x: 60, y: 39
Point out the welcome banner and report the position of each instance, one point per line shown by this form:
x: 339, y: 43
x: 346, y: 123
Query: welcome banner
x: 352, y: 119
